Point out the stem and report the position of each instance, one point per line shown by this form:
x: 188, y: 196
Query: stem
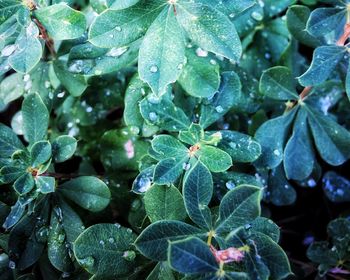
x: 48, y: 41
x: 210, y: 237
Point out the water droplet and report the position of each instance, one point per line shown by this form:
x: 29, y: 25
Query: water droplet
x: 12, y: 265
x: 42, y: 234
x: 219, y: 109
x: 257, y: 16
x: 153, y: 116
x: 180, y: 66
x: 311, y: 183
x: 47, y: 84
x: 276, y: 152
x: 232, y: 15
x: 111, y: 35
x: 153, y: 99
x: 143, y: 184
x: 117, y: 225
x: 118, y: 28
x: 153, y: 68
x: 65, y: 275
x: 111, y: 240
x: 89, y: 109
x: 201, y: 53
x: 61, y: 94
x: 102, y: 243
x: 87, y: 262
x: 230, y: 185
x: 129, y: 255
x: 248, y: 226
x: 116, y: 52
x: 26, y: 78
x: 8, y: 50
x: 61, y: 237
x: 186, y: 166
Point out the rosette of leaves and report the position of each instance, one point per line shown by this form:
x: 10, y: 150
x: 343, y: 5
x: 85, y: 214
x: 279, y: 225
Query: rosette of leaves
x: 304, y: 127
x: 160, y: 24
x: 333, y: 256
x: 43, y: 213
x: 236, y: 225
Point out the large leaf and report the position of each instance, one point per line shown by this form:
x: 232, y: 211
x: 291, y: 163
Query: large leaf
x: 238, y: 207
x: 61, y: 21
x: 277, y: 83
x: 209, y: 29
x: 28, y: 51
x: 117, y: 28
x: 324, y: 61
x: 105, y: 250
x: 197, y: 192
x: 153, y: 241
x: 88, y: 192
x: 192, y: 256
x: 159, y: 64
x: 200, y: 76
x: 164, y: 203
x: 35, y: 118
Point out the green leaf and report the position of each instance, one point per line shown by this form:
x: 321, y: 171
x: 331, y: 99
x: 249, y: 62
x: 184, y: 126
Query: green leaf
x: 238, y: 207
x: 24, y: 184
x: 15, y: 215
x: 241, y: 147
x: 168, y: 170
x: 29, y: 50
x: 117, y: 28
x: 10, y: 173
x: 325, y: 20
x: 209, y: 29
x: 222, y: 101
x: 40, y: 153
x: 272, y: 136
x: 159, y: 64
x: 63, y: 232
x: 191, y: 256
x: 11, y: 88
x: 88, y: 192
x: 61, y: 21
x: 197, y: 192
x: 267, y: 227
x: 163, y: 113
x: 161, y: 271
x: 168, y: 146
x: 272, y: 8
x: 8, y: 8
x: 9, y: 142
x: 164, y: 203
x: 45, y: 184
x: 74, y: 83
x: 153, y: 241
x: 193, y: 135
x: 105, y: 250
x: 324, y: 61
x: 200, y: 76
x: 297, y: 17
x: 63, y: 148
x: 272, y: 255
x: 299, y: 149
x: 35, y: 118
x: 331, y: 139
x: 277, y: 83
x: 215, y: 159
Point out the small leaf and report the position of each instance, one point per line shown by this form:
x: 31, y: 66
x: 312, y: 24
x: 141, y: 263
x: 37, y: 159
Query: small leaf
x: 167, y: 146
x: 215, y: 159
x: 197, y: 192
x: 10, y: 173
x: 40, y: 153
x: 9, y: 142
x: 277, y: 83
x: 168, y: 170
x: 272, y: 135
x: 209, y: 29
x: 15, y: 215
x: 61, y: 21
x: 105, y: 250
x: 325, y: 20
x: 299, y: 149
x: 35, y: 118
x: 324, y: 61
x: 331, y: 139
x: 153, y: 241
x: 238, y: 207
x: 24, y: 184
x: 164, y: 203
x: 193, y: 135
x: 162, y: 52
x: 192, y: 256
x: 88, y: 192
x: 45, y: 184
x: 63, y: 148
x: 200, y: 76
x: 241, y: 147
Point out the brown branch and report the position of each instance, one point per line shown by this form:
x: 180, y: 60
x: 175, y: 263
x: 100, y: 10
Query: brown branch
x: 48, y: 41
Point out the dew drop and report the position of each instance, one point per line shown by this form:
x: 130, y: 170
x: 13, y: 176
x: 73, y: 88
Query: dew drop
x: 118, y: 28
x: 219, y: 109
x: 153, y: 116
x: 153, y: 68
x: 129, y: 255
x: 87, y: 262
x: 116, y: 52
x: 257, y: 16
x: 230, y: 185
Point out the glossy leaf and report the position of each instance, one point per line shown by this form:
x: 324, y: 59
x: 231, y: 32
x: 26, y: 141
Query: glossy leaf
x: 63, y: 148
